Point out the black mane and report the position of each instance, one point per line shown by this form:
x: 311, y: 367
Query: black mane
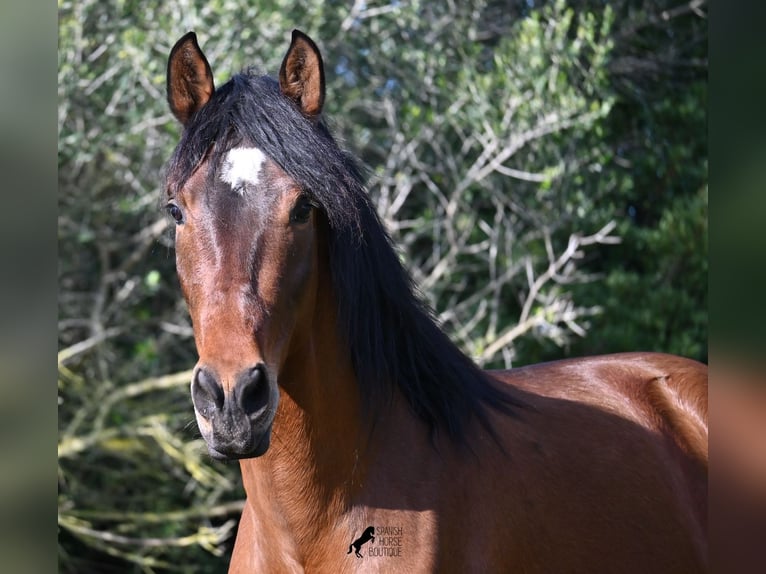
x: 391, y: 334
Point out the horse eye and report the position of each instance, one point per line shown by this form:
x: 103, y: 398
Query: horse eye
x: 301, y: 210
x: 175, y: 212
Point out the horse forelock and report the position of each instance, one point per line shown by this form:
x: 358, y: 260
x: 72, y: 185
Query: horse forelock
x: 250, y: 111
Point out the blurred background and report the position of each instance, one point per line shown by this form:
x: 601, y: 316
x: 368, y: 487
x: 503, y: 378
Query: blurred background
x: 543, y: 167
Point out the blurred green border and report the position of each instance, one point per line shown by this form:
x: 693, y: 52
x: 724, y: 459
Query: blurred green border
x: 737, y: 135
x: 28, y: 142
x: 737, y: 281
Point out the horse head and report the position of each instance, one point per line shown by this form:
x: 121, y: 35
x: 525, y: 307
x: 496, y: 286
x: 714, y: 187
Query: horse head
x: 246, y: 238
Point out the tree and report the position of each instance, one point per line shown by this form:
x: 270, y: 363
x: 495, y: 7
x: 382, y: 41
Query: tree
x: 465, y: 128
x: 654, y: 184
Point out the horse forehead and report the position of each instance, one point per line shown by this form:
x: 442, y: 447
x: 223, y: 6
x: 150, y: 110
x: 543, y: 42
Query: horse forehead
x: 241, y: 166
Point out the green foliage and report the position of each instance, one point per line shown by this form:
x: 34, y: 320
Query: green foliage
x: 502, y: 139
x: 658, y: 302
x: 654, y: 183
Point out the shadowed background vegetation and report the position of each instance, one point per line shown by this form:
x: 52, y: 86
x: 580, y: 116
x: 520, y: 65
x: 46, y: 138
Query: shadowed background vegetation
x: 543, y: 166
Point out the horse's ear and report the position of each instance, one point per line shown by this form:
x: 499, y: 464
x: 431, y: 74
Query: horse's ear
x: 301, y: 77
x: 189, y: 81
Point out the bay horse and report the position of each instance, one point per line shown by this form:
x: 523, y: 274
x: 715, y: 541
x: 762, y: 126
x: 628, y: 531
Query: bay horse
x: 325, y: 375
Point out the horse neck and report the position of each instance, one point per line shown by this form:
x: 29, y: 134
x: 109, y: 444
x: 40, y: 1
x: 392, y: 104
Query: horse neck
x: 325, y: 458
x: 312, y: 469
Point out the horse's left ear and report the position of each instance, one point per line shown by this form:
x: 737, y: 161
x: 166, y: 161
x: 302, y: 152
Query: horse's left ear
x: 190, y: 80
x: 301, y: 77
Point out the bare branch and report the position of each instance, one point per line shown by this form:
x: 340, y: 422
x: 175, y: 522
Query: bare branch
x: 80, y: 347
x: 557, y: 310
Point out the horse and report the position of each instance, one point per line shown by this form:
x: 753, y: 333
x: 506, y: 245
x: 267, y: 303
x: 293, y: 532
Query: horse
x: 325, y: 375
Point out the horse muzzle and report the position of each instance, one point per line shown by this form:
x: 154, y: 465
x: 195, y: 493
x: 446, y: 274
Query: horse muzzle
x: 236, y: 424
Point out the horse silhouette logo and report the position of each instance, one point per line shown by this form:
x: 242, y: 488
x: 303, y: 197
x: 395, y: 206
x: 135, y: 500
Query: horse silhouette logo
x: 367, y: 536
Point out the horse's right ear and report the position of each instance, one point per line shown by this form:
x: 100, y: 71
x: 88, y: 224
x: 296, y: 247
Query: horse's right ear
x: 189, y: 81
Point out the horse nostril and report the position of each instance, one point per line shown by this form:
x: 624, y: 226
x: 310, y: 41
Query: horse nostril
x: 253, y: 389
x: 207, y: 394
